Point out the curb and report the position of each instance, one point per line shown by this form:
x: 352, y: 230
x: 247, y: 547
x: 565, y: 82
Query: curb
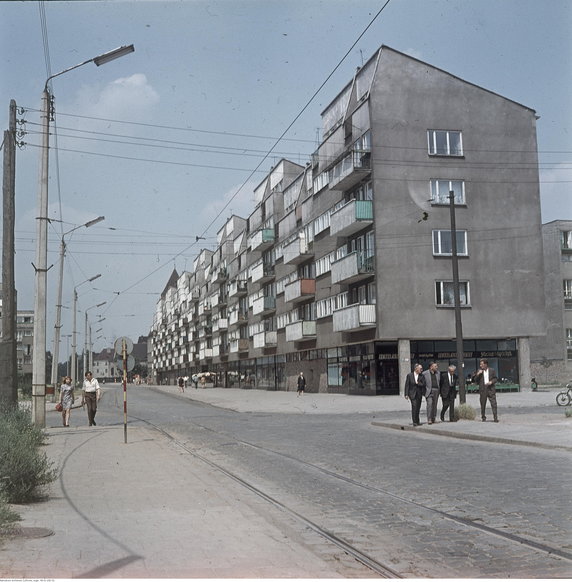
x: 470, y: 437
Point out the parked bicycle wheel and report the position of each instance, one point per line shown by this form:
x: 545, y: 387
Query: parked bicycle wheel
x: 563, y: 398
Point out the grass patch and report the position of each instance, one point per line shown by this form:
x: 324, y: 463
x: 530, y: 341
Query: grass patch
x: 465, y: 412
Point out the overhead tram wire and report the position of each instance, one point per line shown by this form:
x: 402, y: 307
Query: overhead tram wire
x: 214, y: 148
x: 370, y: 24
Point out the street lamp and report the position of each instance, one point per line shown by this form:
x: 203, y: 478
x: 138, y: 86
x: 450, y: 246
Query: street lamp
x: 85, y: 354
x: 58, y: 325
x: 41, y: 268
x: 74, y: 333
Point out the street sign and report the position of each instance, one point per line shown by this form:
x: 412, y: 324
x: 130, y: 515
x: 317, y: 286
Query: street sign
x: 130, y: 363
x: 118, y: 345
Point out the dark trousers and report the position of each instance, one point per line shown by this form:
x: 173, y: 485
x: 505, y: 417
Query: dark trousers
x: 91, y: 405
x: 490, y: 393
x: 415, y: 408
x: 448, y: 404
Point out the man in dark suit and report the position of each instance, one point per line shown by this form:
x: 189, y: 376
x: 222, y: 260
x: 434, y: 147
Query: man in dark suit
x: 448, y: 390
x: 414, y: 390
x: 432, y: 379
x: 487, y: 379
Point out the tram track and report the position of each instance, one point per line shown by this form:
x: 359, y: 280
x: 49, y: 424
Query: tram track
x: 373, y: 564
x: 382, y: 570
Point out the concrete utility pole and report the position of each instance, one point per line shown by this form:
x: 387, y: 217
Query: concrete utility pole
x: 8, y: 358
x: 39, y: 345
x: 457, y: 298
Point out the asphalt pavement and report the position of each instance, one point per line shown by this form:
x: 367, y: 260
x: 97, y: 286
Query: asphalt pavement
x: 144, y: 509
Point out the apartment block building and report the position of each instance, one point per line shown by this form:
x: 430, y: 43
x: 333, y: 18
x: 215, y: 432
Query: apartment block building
x: 551, y: 354
x: 24, y: 341
x: 343, y: 270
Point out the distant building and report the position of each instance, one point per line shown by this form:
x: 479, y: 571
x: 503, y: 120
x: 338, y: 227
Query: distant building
x: 24, y: 341
x: 551, y: 354
x: 343, y: 269
x: 104, y: 366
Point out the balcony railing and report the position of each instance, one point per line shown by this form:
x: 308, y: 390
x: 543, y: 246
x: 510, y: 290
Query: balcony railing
x: 351, y: 170
x: 264, y: 339
x: 300, y: 331
x: 239, y: 345
x: 262, y: 272
x: 300, y: 290
x: 220, y: 324
x: 237, y: 317
x: 261, y: 239
x: 237, y: 288
x: 351, y: 217
x: 296, y: 252
x: 353, y: 267
x: 354, y: 317
x: 205, y: 353
x: 263, y: 305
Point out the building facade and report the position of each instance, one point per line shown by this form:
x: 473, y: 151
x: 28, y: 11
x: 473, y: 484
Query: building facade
x: 24, y: 341
x: 343, y: 269
x: 551, y: 354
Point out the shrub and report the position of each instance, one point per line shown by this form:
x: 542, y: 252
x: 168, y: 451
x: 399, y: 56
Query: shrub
x: 7, y: 516
x: 568, y: 412
x: 465, y: 411
x: 24, y: 469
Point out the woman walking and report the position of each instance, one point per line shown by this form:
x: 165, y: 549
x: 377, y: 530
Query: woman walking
x: 67, y: 399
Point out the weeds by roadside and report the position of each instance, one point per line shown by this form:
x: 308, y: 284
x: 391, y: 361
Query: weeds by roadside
x: 24, y: 468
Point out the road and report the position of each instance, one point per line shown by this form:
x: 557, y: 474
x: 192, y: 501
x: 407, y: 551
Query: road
x: 423, y: 506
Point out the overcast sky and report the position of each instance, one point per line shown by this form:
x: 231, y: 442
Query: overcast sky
x: 196, y: 108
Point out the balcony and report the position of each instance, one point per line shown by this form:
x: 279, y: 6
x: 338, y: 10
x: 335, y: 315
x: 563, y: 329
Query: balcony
x: 261, y: 240
x: 262, y: 272
x: 296, y: 252
x: 301, y: 331
x: 220, y: 324
x: 354, y: 317
x: 353, y: 267
x: 351, y: 218
x: 264, y: 339
x: 239, y: 345
x: 237, y: 317
x: 351, y: 170
x: 205, y: 354
x: 237, y: 288
x: 194, y: 295
x: 221, y: 275
x: 300, y: 290
x: 263, y: 305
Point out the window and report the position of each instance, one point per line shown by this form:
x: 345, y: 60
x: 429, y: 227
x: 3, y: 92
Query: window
x: 566, y: 240
x: 444, y: 294
x: 440, y: 191
x: 443, y: 243
x: 567, y: 285
x: 444, y: 143
x: 569, y: 344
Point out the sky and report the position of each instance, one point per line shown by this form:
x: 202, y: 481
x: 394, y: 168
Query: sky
x: 169, y: 141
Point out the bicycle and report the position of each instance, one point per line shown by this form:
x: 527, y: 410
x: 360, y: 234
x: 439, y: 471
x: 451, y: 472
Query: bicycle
x: 565, y: 397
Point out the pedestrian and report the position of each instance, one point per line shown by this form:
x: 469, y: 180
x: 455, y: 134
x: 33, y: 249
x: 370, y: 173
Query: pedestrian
x: 448, y: 390
x: 195, y: 381
x: 487, y: 379
x: 301, y: 383
x: 186, y: 380
x: 414, y: 390
x: 181, y: 383
x: 67, y: 399
x: 90, y: 396
x: 432, y: 390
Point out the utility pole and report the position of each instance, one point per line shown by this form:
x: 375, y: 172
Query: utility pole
x: 457, y: 298
x: 8, y: 358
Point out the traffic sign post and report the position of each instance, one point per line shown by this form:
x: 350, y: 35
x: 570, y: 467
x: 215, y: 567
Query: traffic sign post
x: 123, y: 347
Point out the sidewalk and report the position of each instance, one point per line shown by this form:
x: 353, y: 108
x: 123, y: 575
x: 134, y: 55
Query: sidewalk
x: 546, y: 427
x: 148, y: 509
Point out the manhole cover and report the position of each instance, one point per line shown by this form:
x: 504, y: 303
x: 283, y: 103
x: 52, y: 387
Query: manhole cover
x: 32, y: 532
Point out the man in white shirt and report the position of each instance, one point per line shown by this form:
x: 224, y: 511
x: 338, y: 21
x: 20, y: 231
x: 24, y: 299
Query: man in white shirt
x: 90, y: 396
x: 487, y: 378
